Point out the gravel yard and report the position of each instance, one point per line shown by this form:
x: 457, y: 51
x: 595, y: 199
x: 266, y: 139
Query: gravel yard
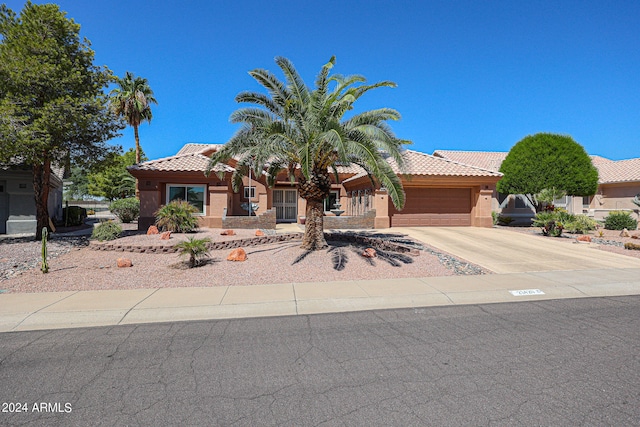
x: 74, y: 266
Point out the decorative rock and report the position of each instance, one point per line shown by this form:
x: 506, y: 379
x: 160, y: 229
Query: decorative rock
x: 635, y: 236
x: 369, y: 253
x: 584, y: 238
x: 152, y: 230
x: 259, y: 233
x: 124, y: 262
x: 625, y: 233
x: 165, y: 236
x: 237, y: 255
x: 228, y: 233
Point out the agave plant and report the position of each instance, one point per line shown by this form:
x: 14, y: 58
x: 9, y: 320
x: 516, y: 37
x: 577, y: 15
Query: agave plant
x: 195, y: 248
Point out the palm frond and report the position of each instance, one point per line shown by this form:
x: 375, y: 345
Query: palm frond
x: 396, y: 259
x: 338, y: 257
x: 296, y: 84
x: 302, y: 256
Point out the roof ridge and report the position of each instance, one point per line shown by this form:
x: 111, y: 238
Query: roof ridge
x: 457, y: 163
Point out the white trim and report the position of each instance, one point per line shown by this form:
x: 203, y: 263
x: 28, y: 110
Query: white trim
x: 204, y: 201
x: 253, y: 192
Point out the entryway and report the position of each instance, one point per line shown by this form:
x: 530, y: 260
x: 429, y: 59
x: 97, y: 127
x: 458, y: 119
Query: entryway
x: 286, y: 204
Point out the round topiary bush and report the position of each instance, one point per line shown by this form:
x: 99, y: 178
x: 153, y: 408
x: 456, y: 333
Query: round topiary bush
x: 106, y: 231
x: 126, y: 210
x: 618, y: 220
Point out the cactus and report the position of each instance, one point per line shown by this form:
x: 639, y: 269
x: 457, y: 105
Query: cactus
x: 45, y: 236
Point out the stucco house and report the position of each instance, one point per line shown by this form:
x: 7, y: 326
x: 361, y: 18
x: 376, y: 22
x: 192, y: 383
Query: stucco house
x: 439, y: 191
x: 618, y: 184
x: 17, y: 202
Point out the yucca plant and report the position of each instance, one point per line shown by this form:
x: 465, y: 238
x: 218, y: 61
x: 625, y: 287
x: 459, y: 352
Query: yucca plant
x: 177, y: 216
x: 195, y: 248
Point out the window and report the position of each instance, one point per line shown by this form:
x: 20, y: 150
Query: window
x: 248, y: 190
x: 193, y: 194
x: 331, y: 200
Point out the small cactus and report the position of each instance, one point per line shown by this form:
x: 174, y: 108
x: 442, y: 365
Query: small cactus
x: 45, y: 236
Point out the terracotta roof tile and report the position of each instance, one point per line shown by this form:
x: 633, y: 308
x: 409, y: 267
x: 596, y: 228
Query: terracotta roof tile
x: 489, y: 160
x: 193, y: 147
x: 618, y: 170
x: 190, y: 162
x: 417, y: 163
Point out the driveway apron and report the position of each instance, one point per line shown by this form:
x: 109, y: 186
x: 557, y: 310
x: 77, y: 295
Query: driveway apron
x: 504, y: 251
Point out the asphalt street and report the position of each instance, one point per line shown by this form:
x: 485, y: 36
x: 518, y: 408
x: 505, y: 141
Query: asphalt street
x: 572, y: 362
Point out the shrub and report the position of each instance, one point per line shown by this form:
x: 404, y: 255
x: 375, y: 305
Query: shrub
x: 553, y: 222
x: 177, y: 216
x: 106, y: 231
x: 580, y: 224
x: 632, y: 246
x: 494, y: 216
x: 618, y: 220
x: 195, y: 248
x: 505, y: 220
x: 73, y: 215
x: 126, y: 210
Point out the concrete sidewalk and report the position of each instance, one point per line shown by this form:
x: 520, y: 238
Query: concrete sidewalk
x: 55, y: 310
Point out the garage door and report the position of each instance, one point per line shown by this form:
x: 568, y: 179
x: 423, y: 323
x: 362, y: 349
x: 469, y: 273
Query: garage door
x: 434, y: 207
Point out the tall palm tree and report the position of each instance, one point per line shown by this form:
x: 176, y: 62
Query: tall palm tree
x: 304, y: 132
x: 132, y: 100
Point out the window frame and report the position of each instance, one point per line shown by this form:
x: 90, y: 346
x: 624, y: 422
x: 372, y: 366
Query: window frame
x: 252, y: 192
x: 185, y: 186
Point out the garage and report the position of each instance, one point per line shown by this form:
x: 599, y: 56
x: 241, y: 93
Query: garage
x: 445, y: 207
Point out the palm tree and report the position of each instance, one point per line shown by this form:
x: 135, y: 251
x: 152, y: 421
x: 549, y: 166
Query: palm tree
x: 132, y: 100
x: 304, y: 132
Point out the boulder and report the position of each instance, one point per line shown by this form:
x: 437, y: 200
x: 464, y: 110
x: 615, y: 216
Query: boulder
x: 259, y: 233
x: 584, y: 238
x: 237, y: 255
x: 124, y: 262
x: 625, y: 233
x: 228, y: 233
x: 369, y: 253
x: 152, y: 230
x: 165, y: 236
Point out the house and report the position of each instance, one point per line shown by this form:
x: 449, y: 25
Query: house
x: 618, y: 184
x: 438, y: 192
x: 17, y: 200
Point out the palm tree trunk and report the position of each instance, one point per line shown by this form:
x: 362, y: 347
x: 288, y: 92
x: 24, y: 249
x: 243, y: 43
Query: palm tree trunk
x: 314, y: 226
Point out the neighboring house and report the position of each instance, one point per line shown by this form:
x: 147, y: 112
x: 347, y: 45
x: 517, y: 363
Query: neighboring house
x: 618, y: 184
x: 17, y: 202
x: 438, y: 192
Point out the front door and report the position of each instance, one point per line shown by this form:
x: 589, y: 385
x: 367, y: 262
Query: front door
x: 286, y: 204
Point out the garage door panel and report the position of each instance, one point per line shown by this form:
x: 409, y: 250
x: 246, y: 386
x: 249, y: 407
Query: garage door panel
x: 445, y: 207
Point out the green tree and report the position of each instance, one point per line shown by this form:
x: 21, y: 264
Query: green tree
x: 548, y: 161
x: 113, y: 181
x: 52, y: 106
x: 304, y: 132
x: 79, y: 187
x: 131, y: 100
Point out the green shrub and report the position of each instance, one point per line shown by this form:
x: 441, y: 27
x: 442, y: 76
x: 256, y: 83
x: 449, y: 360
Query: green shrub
x: 126, y: 210
x: 580, y: 224
x: 106, y: 231
x: 494, y: 216
x: 618, y: 220
x: 177, y: 216
x: 553, y: 222
x: 73, y: 215
x: 195, y: 248
x: 632, y: 246
x: 505, y: 220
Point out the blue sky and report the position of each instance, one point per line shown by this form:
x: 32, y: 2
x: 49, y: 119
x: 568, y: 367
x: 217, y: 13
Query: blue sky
x: 471, y: 75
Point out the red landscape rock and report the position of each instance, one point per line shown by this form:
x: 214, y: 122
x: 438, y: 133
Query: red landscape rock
x: 259, y: 233
x: 165, y: 236
x: 152, y: 230
x: 237, y: 255
x: 583, y: 238
x: 369, y: 253
x: 124, y: 262
x: 228, y: 233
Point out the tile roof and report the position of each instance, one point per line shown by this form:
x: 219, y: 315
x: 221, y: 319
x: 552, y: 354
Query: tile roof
x: 490, y: 160
x: 193, y: 147
x: 618, y: 170
x: 190, y: 162
x: 417, y: 163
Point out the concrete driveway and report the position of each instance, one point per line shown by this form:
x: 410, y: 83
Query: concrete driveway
x: 504, y: 251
